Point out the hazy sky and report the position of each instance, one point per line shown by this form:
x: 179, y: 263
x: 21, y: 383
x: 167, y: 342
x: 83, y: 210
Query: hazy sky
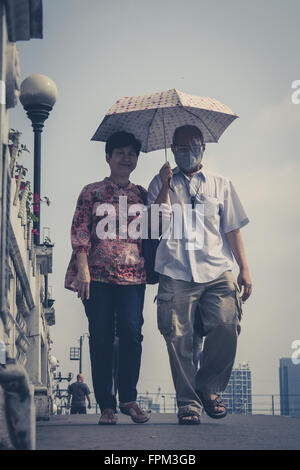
x: 246, y: 54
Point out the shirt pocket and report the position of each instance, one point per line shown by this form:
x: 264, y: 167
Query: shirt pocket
x: 211, y: 206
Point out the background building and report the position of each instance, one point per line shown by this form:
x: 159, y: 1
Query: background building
x: 238, y: 394
x: 26, y: 312
x: 289, y: 381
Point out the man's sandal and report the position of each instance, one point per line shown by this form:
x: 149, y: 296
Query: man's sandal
x: 108, y: 416
x: 211, y: 406
x: 137, y: 414
x: 188, y: 417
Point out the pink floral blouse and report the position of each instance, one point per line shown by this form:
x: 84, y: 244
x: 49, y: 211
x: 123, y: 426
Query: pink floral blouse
x: 117, y: 261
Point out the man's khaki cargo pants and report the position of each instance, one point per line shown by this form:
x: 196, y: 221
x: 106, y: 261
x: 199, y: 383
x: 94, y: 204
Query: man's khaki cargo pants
x: 219, y: 307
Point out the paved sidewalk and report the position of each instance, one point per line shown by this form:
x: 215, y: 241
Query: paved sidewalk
x: 163, y: 433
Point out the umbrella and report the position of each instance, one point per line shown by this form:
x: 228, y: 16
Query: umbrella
x: 153, y: 118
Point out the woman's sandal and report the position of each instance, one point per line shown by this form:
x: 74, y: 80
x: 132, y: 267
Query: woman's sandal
x: 211, y: 406
x: 189, y: 417
x: 108, y: 416
x: 136, y: 413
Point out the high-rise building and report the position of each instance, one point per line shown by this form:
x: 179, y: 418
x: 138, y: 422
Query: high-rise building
x: 238, y: 393
x: 289, y: 380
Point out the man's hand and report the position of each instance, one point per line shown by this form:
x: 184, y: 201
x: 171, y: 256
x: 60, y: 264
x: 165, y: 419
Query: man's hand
x: 166, y: 174
x: 89, y: 406
x: 244, y: 280
x: 83, y: 283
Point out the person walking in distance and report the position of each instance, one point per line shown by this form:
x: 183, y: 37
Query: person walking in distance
x: 78, y: 391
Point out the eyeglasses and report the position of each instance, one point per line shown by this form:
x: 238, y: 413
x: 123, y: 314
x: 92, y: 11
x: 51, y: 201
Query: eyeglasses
x: 187, y: 148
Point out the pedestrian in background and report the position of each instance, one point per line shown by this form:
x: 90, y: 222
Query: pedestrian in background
x: 79, y: 391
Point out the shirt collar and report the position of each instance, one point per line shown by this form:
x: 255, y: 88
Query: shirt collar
x: 200, y: 172
x: 118, y: 186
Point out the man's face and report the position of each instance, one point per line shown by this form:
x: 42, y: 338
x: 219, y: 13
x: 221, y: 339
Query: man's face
x: 122, y: 161
x: 81, y: 378
x: 187, y: 140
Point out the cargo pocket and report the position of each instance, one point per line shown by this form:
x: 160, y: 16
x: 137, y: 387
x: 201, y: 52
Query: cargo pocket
x: 239, y: 304
x: 165, y: 310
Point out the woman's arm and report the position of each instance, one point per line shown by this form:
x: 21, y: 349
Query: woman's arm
x: 81, y: 242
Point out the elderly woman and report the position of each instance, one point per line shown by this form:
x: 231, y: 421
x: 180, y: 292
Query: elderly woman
x: 107, y: 271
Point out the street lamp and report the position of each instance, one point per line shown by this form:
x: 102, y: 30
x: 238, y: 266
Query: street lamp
x: 38, y: 96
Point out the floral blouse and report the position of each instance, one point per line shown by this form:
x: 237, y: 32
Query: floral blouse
x: 118, y: 260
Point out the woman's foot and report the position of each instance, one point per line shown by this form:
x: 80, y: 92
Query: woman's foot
x: 137, y: 414
x: 108, y: 416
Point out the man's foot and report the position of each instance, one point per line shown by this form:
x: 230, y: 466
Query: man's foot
x: 189, y: 417
x: 136, y: 413
x: 213, y: 405
x: 108, y: 416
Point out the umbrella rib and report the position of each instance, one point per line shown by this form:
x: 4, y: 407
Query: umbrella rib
x: 149, y: 127
x: 195, y: 115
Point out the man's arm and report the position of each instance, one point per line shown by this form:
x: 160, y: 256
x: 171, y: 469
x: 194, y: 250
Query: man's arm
x: 237, y: 246
x: 89, y: 401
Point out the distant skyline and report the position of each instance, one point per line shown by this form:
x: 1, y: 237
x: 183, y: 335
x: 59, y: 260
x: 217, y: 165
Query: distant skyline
x: 242, y: 53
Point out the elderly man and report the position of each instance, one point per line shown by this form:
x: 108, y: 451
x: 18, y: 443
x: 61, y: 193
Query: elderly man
x: 195, y: 276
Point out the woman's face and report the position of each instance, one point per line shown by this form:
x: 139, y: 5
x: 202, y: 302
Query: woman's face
x: 122, y: 161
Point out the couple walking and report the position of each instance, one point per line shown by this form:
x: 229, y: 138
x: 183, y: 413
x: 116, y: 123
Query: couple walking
x: 198, y: 295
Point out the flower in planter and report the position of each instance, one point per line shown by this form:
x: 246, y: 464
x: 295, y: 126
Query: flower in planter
x: 34, y: 231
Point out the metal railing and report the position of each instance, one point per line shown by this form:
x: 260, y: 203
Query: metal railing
x: 267, y: 404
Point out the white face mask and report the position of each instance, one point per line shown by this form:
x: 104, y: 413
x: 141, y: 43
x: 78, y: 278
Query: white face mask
x: 188, y: 159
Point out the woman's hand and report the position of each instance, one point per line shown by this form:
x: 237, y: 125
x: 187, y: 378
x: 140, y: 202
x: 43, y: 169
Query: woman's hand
x: 83, y: 283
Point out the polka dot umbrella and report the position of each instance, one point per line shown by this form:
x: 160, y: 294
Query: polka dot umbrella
x: 154, y: 118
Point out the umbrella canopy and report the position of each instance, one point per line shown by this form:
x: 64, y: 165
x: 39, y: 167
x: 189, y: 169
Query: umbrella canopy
x: 154, y: 118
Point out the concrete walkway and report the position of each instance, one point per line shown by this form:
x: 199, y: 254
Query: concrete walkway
x: 163, y: 433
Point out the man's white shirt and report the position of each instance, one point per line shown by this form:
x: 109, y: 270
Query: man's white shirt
x: 202, y: 253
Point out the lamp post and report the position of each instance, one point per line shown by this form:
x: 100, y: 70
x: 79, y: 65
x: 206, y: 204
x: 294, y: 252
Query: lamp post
x: 38, y: 96
x: 164, y: 397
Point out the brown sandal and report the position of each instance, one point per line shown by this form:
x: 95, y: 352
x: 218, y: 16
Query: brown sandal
x: 108, y: 416
x: 136, y: 413
x: 211, y: 406
x: 183, y: 418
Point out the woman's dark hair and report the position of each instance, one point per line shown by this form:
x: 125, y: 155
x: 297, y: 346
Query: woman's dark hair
x: 122, y: 139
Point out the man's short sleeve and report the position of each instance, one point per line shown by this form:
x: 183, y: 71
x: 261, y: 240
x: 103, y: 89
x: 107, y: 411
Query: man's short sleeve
x: 70, y: 389
x: 87, y: 390
x: 233, y: 215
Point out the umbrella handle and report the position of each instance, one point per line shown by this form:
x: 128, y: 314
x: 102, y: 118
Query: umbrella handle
x: 163, y: 120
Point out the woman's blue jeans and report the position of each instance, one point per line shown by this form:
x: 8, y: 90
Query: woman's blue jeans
x: 115, y: 309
